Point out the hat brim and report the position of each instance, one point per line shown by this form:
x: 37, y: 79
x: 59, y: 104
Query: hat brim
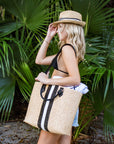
x: 82, y: 23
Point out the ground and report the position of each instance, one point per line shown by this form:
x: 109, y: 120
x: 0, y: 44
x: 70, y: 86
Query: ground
x: 18, y: 132
x: 15, y: 131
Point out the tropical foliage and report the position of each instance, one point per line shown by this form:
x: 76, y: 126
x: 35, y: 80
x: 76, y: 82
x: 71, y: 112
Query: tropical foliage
x: 23, y: 26
x: 17, y: 49
x: 99, y: 61
x: 22, y: 29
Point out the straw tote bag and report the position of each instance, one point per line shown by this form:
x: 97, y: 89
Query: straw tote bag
x: 52, y: 107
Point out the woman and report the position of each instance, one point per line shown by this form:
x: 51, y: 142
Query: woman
x: 69, y: 28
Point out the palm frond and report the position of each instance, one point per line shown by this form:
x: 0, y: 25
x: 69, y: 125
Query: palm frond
x: 108, y: 130
x: 108, y: 109
x: 32, y: 14
x: 97, y: 78
x: 113, y: 78
x: 6, y: 57
x: 7, y: 90
x: 24, y: 79
x: 98, y: 16
x: 95, y: 51
x: 107, y: 84
x: 8, y: 28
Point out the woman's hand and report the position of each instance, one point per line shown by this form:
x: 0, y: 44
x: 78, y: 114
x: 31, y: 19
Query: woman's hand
x: 51, y: 31
x: 42, y: 77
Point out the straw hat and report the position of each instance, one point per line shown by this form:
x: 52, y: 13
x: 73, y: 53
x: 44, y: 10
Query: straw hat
x: 70, y: 16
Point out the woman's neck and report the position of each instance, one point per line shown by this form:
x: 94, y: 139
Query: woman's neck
x: 67, y: 41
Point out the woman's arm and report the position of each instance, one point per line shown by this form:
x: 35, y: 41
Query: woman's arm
x: 71, y: 63
x: 41, y: 56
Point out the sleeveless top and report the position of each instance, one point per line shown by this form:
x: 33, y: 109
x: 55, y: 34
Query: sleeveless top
x: 54, y: 61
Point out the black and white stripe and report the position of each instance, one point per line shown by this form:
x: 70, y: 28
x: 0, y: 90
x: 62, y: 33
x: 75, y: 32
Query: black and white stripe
x: 46, y: 107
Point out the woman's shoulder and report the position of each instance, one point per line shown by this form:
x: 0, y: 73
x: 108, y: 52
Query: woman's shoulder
x: 68, y: 48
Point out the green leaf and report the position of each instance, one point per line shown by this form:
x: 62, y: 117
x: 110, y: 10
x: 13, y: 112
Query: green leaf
x: 98, y: 75
x: 29, y: 13
x: 7, y: 90
x: 24, y: 79
x: 97, y: 15
x: 8, y: 28
x: 107, y: 84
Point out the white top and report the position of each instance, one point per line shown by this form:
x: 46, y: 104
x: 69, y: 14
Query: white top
x: 81, y: 88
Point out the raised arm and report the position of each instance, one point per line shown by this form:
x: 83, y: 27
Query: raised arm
x: 41, y: 57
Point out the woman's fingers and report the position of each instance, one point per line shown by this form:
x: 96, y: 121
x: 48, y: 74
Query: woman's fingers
x: 52, y: 27
x: 36, y: 79
x: 42, y: 76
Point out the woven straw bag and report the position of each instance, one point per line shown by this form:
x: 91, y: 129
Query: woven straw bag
x: 52, y: 107
x: 55, y: 115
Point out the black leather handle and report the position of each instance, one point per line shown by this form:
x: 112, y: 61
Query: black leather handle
x: 59, y: 93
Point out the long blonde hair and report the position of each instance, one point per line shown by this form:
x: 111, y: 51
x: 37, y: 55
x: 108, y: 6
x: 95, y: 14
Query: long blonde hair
x: 76, y: 38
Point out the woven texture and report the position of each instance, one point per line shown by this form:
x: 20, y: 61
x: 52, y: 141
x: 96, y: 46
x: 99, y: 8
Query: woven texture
x: 62, y: 112
x: 71, y: 17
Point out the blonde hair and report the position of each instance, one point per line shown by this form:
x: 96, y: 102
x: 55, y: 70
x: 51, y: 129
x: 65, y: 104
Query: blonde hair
x: 76, y: 38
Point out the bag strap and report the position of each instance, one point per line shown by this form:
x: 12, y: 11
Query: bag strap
x: 44, y: 86
x: 53, y: 61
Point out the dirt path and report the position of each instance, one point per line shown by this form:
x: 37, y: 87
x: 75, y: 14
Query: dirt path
x: 17, y: 132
